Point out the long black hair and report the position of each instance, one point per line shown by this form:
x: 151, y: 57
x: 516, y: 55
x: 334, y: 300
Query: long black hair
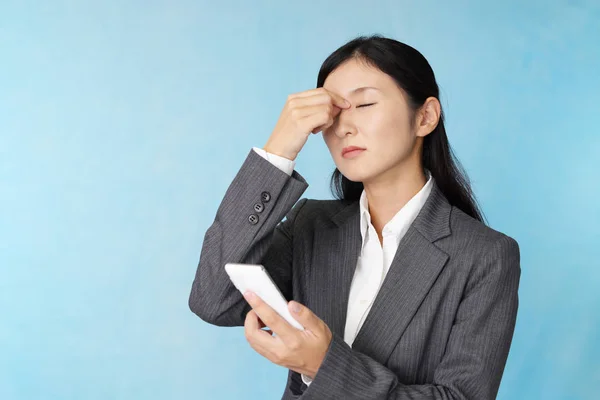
x: 413, y: 74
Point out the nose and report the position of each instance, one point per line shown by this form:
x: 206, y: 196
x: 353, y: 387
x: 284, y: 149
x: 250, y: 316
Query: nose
x: 343, y: 124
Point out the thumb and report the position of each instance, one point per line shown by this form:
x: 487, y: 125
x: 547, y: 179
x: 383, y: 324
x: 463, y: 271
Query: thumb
x: 303, y: 315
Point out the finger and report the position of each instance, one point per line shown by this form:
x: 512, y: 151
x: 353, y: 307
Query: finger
x: 253, y: 331
x: 338, y: 100
x: 262, y: 326
x: 305, y: 316
x: 319, y: 95
x: 305, y: 111
x: 251, y: 322
x: 270, y: 332
x: 261, y: 323
x: 317, y: 122
x: 327, y: 124
x: 266, y: 313
x: 269, y: 316
x: 260, y: 340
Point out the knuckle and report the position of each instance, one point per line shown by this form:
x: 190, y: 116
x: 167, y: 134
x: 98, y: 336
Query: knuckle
x: 294, y: 345
x: 277, y: 358
x: 269, y: 316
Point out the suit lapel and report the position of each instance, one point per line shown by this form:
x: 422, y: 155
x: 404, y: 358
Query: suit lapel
x: 335, y: 254
x: 415, y: 266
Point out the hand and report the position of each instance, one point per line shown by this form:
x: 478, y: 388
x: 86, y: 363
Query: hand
x: 300, y: 351
x: 305, y: 112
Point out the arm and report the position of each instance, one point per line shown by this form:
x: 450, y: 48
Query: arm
x: 475, y: 355
x: 232, y: 237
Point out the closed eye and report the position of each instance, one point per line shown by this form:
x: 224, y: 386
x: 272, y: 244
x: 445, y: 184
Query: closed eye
x: 365, y: 105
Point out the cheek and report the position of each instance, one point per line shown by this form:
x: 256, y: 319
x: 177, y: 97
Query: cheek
x: 388, y: 137
x: 378, y: 129
x: 330, y: 141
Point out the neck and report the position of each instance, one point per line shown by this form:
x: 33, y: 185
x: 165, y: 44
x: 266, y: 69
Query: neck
x: 389, y: 192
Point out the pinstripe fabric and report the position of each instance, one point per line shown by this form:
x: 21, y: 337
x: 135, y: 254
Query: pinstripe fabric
x: 441, y: 325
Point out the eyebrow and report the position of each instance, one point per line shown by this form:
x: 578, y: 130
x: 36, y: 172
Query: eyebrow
x: 362, y: 89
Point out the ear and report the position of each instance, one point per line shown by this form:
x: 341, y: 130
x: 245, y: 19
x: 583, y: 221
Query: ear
x: 429, y: 116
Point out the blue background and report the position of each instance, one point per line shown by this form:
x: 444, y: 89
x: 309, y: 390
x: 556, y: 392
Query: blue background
x: 123, y: 123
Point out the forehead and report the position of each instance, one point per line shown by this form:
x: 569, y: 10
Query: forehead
x: 354, y: 77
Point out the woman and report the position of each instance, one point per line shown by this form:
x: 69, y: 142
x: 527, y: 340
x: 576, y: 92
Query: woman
x: 405, y: 292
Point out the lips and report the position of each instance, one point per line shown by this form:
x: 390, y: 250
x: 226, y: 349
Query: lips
x: 351, y: 148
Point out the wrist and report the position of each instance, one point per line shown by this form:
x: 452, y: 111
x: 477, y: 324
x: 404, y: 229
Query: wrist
x: 279, y: 153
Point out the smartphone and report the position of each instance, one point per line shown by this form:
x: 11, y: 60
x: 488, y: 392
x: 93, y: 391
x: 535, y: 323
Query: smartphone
x: 254, y: 277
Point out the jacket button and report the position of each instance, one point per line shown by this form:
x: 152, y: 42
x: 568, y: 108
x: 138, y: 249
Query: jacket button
x: 253, y: 218
x: 259, y: 207
x: 266, y: 197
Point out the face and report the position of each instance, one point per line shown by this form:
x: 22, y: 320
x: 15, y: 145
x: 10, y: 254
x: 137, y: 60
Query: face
x: 378, y: 121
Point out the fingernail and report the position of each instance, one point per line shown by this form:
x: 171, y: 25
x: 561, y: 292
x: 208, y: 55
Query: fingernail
x: 249, y: 295
x: 295, y: 307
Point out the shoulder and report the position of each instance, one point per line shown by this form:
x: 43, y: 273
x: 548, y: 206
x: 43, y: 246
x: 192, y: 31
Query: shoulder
x: 483, y: 255
x: 473, y: 237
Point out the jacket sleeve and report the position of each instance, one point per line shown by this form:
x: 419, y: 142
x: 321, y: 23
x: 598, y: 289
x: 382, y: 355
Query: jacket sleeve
x: 247, y: 229
x: 475, y: 355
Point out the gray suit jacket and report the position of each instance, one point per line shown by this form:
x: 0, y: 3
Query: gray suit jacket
x: 441, y: 325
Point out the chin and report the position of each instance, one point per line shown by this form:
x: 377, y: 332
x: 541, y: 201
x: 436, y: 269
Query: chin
x: 355, y: 174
